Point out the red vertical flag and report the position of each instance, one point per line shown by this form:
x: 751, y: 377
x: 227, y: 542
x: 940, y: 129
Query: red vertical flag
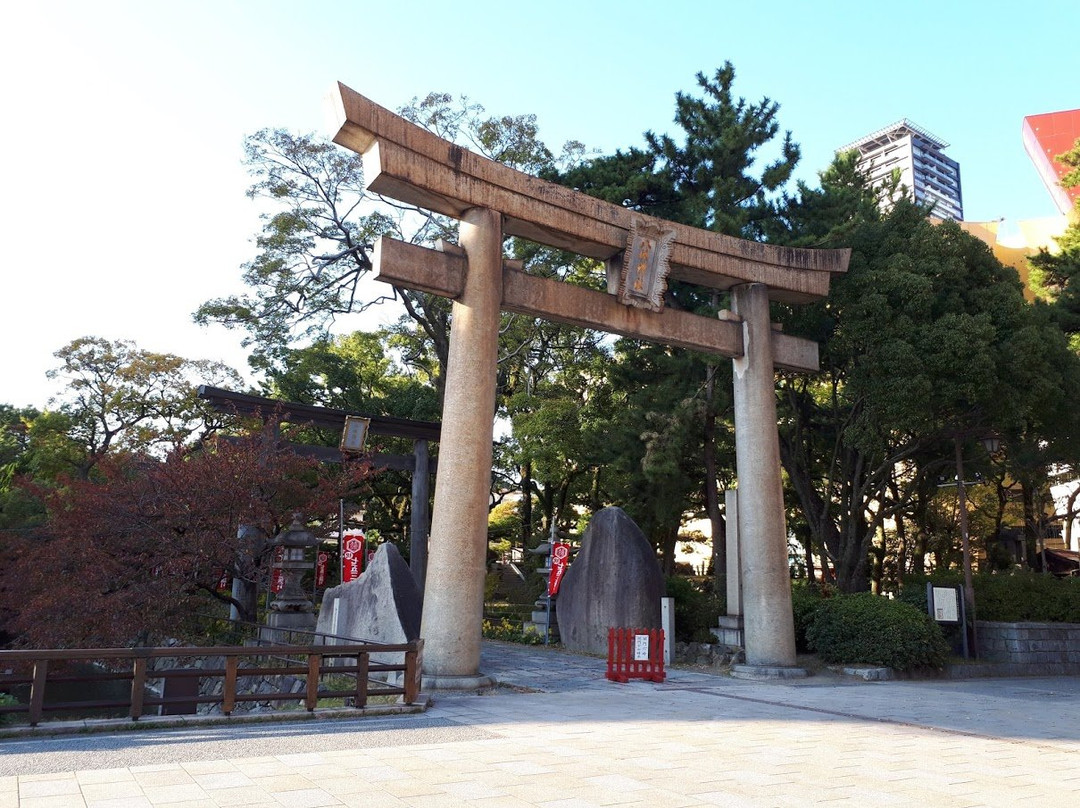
x: 560, y: 559
x: 352, y: 556
x: 277, y: 580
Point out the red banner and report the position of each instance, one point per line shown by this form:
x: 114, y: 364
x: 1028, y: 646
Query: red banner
x: 277, y: 580
x: 225, y: 581
x: 560, y: 559
x: 352, y: 556
x: 322, y: 561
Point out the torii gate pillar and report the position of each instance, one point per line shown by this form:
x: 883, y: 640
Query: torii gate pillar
x: 770, y: 642
x: 457, y: 550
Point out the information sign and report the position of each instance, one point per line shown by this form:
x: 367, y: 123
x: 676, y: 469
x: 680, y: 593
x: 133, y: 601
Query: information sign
x: 641, y: 647
x: 945, y: 604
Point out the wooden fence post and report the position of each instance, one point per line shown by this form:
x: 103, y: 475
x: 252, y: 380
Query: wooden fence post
x: 312, y: 700
x: 37, y: 690
x: 228, y: 690
x: 362, y: 660
x: 138, y: 687
x: 414, y: 664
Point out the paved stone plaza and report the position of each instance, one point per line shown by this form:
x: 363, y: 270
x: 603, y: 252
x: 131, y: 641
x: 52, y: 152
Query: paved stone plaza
x: 558, y: 735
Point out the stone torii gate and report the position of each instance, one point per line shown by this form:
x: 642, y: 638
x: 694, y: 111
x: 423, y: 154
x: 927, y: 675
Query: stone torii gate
x: 492, y: 201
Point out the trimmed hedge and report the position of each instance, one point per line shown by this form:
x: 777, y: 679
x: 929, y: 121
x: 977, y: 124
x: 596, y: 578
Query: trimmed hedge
x: 1027, y: 597
x: 1015, y: 597
x: 872, y: 630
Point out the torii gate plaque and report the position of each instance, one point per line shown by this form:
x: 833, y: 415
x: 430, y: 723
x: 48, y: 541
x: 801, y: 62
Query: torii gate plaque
x: 410, y: 164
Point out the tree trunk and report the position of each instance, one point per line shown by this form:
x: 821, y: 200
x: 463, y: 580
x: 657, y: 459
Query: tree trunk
x: 526, y: 505
x: 1031, y: 543
x: 901, y: 534
x: 718, y: 528
x: 668, y: 539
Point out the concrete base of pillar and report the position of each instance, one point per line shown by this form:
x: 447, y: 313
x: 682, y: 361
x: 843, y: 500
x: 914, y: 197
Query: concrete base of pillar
x: 765, y: 672
x: 436, y: 682
x: 730, y: 631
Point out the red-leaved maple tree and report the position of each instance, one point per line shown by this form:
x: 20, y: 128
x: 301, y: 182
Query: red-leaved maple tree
x: 136, y: 554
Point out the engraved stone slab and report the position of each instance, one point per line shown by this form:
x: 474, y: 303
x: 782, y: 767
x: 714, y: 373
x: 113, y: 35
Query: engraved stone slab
x: 615, y: 581
x: 381, y: 606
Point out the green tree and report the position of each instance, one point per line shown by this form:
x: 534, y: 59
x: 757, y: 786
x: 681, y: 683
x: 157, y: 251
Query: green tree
x: 712, y: 171
x: 1058, y: 274
x: 710, y: 175
x: 926, y: 339
x: 122, y: 398
x: 314, y: 251
x: 358, y: 373
x: 19, y: 509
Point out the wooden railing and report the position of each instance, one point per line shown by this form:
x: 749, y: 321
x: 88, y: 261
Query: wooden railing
x: 39, y: 669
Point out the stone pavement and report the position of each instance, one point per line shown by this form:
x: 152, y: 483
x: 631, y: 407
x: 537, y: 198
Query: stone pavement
x: 558, y: 735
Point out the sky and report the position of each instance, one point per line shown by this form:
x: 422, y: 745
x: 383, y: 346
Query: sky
x: 123, y: 123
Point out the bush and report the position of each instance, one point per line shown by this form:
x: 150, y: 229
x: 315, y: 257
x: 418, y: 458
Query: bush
x: 1027, y: 596
x: 868, y: 629
x: 504, y: 629
x: 696, y: 610
x: 7, y: 700
x: 1015, y: 597
x: 805, y: 600
x: 913, y: 590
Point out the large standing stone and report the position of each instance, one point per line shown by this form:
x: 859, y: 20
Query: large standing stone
x: 615, y: 581
x: 381, y: 606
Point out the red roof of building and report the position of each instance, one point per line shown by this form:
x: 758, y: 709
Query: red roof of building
x: 1045, y: 137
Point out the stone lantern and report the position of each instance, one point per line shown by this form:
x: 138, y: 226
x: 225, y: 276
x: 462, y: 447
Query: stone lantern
x: 291, y: 609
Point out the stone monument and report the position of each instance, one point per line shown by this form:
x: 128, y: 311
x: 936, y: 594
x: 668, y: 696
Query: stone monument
x: 614, y: 582
x: 381, y: 606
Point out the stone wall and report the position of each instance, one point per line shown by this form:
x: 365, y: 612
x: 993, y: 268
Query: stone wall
x: 215, y: 685
x: 1033, y: 648
x: 704, y: 654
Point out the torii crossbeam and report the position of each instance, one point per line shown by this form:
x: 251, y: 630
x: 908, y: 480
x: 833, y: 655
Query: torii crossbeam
x: 412, y: 165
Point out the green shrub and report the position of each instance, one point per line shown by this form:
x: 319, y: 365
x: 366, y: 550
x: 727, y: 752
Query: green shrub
x: 491, y: 584
x: 1014, y: 597
x: 7, y: 700
x: 696, y: 610
x: 805, y: 600
x: 1027, y: 596
x: 868, y: 629
x: 913, y: 590
x: 511, y: 631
